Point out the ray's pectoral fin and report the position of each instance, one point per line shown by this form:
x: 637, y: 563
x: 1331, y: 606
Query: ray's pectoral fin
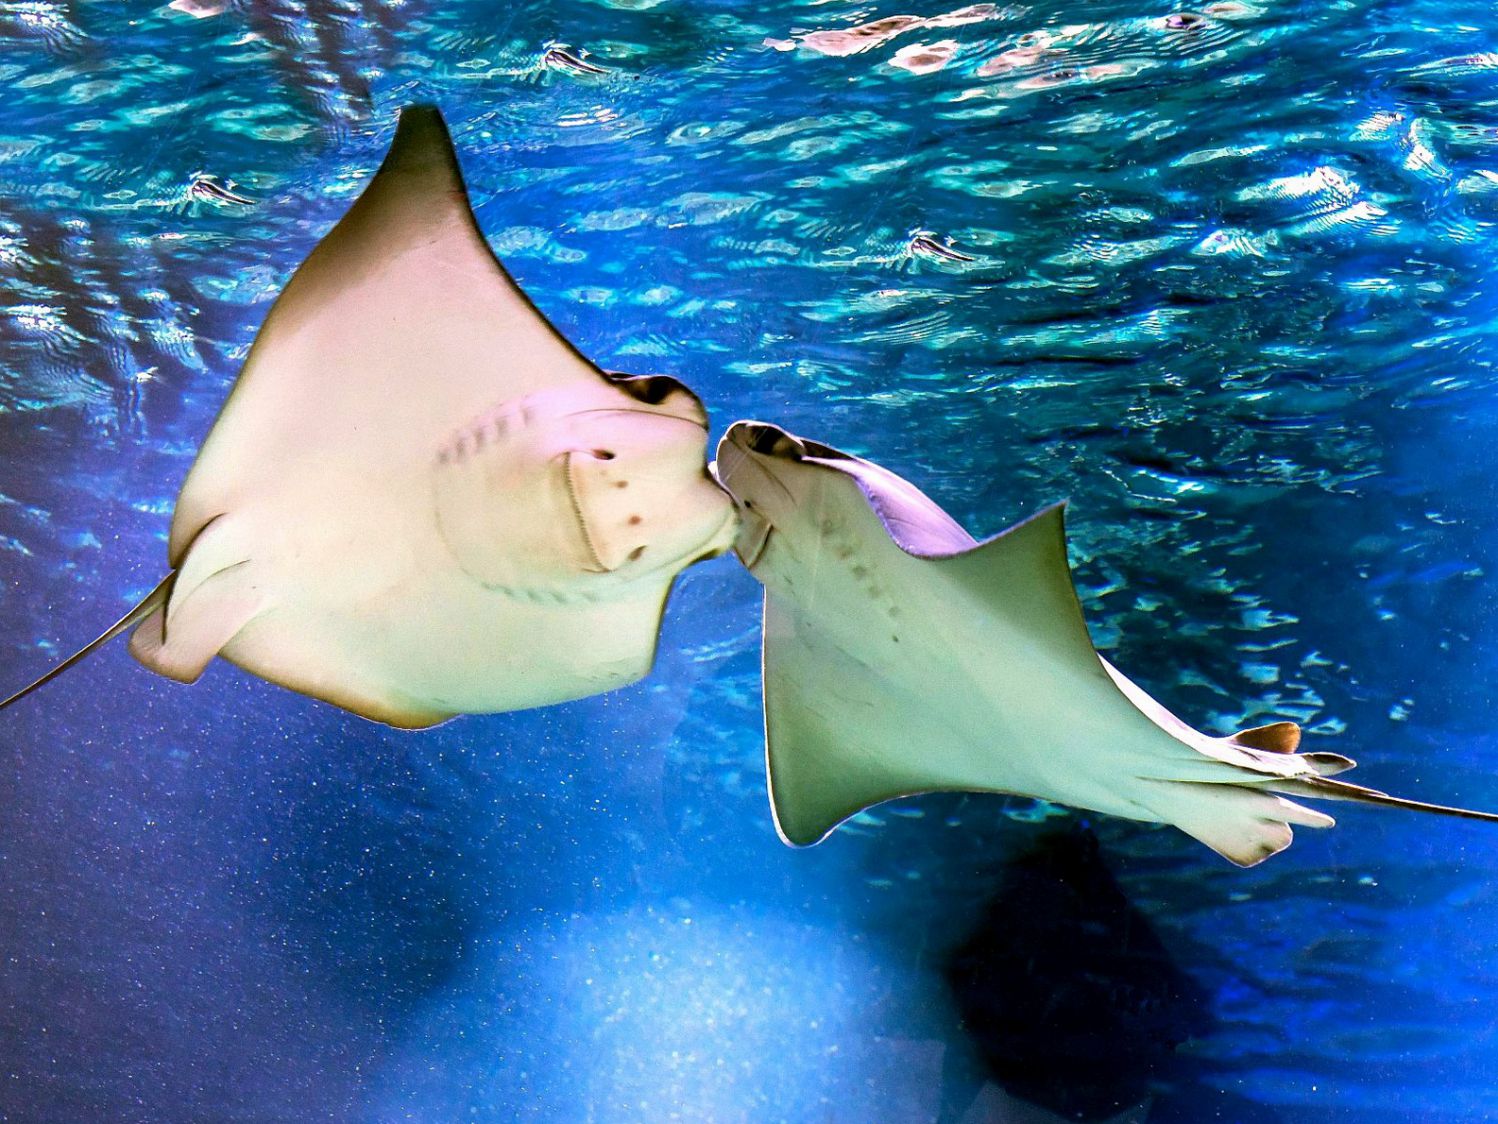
x: 814, y: 693
x: 1241, y: 822
x: 182, y: 623
x: 179, y: 638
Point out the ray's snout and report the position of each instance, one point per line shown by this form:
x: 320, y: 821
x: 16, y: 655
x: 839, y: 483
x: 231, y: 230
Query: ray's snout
x: 769, y: 440
x: 650, y: 389
x: 664, y: 391
x: 745, y: 471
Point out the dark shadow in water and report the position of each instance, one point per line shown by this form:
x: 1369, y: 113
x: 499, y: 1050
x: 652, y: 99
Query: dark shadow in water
x: 1071, y: 998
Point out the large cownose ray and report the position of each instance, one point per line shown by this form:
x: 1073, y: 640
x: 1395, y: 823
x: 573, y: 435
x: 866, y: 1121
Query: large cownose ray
x: 419, y: 500
x: 902, y: 656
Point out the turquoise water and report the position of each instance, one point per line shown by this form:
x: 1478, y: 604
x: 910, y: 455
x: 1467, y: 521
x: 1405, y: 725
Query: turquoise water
x: 1222, y: 280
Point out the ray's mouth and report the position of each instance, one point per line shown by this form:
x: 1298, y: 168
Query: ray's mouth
x: 590, y: 552
x: 712, y: 544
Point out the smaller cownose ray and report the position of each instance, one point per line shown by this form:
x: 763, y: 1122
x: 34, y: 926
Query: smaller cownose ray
x: 903, y: 656
x: 419, y: 499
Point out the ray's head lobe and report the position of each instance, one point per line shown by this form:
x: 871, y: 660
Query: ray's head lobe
x: 662, y: 392
x: 772, y: 441
x: 650, y: 389
x: 553, y: 491
x: 751, y: 458
x: 642, y: 493
x: 763, y: 468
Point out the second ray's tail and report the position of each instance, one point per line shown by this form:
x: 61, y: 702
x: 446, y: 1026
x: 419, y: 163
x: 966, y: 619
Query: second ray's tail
x: 1247, y: 819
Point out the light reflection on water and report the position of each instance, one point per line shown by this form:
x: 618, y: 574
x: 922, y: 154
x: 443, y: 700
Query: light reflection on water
x: 1220, y: 280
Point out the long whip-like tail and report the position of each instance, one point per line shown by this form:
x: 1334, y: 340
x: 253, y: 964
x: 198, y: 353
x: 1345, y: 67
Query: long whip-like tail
x: 1324, y: 788
x: 148, y: 605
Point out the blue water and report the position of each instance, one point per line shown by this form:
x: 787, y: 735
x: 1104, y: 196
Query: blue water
x: 1227, y: 287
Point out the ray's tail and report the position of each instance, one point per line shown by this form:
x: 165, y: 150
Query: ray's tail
x: 152, y: 601
x: 1324, y: 788
x: 1246, y: 817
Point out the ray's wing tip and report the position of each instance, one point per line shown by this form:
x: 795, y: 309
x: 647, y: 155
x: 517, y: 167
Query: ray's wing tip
x: 790, y: 827
x: 417, y: 109
x: 422, y: 139
x: 420, y: 116
x: 795, y: 838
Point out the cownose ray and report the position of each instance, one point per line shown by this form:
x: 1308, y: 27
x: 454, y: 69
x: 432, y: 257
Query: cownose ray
x: 419, y: 500
x: 903, y: 656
